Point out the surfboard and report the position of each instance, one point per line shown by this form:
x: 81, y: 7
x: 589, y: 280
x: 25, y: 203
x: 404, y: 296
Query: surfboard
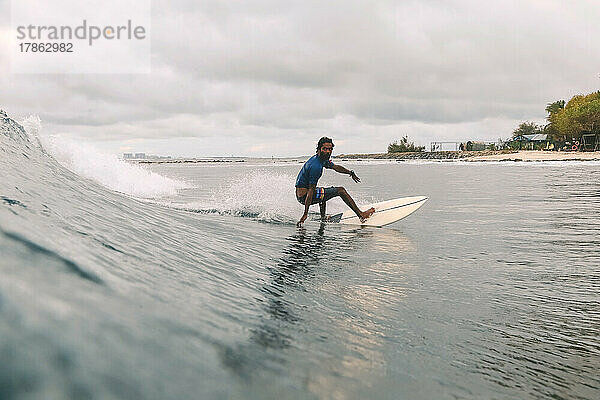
x: 386, y: 212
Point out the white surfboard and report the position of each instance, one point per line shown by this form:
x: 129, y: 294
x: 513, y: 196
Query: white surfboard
x: 385, y: 213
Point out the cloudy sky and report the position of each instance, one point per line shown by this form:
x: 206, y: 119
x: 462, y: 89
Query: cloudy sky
x: 268, y: 78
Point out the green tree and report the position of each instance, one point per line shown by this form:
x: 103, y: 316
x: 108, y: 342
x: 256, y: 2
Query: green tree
x: 555, y: 107
x: 527, y: 128
x: 581, y: 113
x: 404, y: 146
x: 551, y: 129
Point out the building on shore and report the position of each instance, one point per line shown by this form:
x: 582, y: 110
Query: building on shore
x: 144, y: 156
x: 531, y: 142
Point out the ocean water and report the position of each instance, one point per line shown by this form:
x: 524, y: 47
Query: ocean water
x: 191, y: 281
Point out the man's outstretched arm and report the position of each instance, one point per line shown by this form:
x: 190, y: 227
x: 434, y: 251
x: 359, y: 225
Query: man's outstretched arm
x: 344, y: 170
x: 307, y: 201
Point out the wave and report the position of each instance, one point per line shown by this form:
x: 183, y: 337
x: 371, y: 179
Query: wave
x: 257, y: 195
x: 107, y: 169
x: 50, y: 257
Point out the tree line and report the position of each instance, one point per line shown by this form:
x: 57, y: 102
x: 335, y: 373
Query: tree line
x: 567, y: 121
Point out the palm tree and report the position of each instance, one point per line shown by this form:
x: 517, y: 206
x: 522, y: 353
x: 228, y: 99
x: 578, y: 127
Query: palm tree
x: 555, y: 107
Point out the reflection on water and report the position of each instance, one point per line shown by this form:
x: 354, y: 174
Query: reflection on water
x: 319, y: 312
x: 292, y: 272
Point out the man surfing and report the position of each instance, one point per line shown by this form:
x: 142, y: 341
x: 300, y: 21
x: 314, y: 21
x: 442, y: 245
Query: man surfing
x: 306, y: 183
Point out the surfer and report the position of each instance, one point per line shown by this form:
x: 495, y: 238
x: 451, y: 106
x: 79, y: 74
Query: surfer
x: 306, y: 183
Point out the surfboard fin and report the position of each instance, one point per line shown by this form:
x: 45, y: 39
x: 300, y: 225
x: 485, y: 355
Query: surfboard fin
x: 335, y: 218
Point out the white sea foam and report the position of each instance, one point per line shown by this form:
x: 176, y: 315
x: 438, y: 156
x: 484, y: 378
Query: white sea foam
x: 261, y: 194
x: 102, y: 167
x: 33, y: 125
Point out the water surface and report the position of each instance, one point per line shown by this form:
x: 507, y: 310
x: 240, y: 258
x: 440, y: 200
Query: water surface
x: 193, y: 282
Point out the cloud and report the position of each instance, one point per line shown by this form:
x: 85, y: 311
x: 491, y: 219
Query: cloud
x: 282, y: 71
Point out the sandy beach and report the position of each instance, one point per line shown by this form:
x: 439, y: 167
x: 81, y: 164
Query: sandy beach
x: 540, y: 156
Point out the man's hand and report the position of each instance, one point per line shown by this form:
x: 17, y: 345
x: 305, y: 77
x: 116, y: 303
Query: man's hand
x: 299, y: 224
x: 354, y: 177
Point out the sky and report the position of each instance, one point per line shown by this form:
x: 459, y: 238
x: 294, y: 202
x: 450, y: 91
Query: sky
x: 269, y: 78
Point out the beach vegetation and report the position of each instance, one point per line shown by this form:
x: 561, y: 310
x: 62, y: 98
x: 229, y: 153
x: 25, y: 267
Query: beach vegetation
x: 527, y: 128
x: 581, y: 113
x: 554, y: 107
x: 404, y: 146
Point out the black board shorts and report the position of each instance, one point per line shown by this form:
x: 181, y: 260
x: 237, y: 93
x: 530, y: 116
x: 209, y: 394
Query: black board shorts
x: 321, y: 195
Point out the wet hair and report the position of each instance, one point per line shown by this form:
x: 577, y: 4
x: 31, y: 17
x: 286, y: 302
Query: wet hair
x: 324, y: 140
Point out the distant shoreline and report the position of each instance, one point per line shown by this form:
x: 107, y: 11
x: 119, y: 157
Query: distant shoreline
x: 424, y: 155
x: 530, y: 155
x: 185, y: 161
x: 487, y: 155
x: 466, y: 156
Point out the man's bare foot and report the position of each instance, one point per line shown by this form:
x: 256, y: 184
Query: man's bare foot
x: 366, y: 214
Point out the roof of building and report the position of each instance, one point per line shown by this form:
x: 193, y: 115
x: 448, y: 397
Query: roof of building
x: 533, y: 138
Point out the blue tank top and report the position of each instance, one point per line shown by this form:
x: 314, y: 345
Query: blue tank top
x: 311, y: 171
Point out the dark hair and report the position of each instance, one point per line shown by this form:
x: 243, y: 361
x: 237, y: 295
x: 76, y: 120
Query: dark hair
x: 324, y: 140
